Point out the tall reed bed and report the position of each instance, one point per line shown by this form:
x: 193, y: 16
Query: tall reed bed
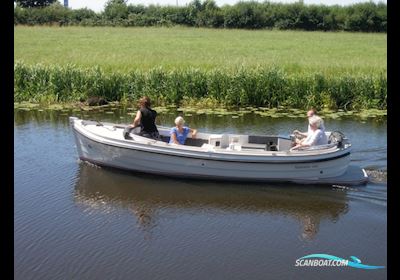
x: 265, y: 87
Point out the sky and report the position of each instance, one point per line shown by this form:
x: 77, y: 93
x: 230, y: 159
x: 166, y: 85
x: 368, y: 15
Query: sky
x: 98, y: 5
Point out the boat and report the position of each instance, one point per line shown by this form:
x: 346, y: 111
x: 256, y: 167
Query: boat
x: 211, y: 156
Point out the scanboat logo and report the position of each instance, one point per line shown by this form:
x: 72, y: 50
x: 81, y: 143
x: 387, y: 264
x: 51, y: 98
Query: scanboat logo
x: 329, y: 260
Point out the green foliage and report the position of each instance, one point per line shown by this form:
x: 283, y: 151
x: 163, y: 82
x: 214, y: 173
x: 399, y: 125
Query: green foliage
x: 52, y: 14
x: 80, y: 15
x: 368, y: 17
x: 265, y: 87
x: 365, y: 17
x: 249, y: 15
x: 116, y: 10
x: 210, y: 15
x: 20, y: 15
x: 34, y: 3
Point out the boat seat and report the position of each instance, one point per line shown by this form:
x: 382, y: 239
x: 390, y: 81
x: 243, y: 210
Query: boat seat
x: 252, y: 146
x: 165, y: 138
x: 224, y: 141
x: 270, y: 142
x: 219, y: 140
x: 207, y: 147
x: 196, y: 142
x: 256, y: 139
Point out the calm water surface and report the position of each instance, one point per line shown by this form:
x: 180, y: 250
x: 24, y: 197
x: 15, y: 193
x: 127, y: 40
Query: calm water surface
x: 73, y: 220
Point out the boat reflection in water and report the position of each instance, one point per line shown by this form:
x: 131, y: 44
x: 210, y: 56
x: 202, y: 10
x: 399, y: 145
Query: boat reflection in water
x: 146, y: 196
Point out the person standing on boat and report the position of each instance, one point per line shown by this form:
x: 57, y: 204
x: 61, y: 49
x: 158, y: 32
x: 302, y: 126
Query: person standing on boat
x: 179, y: 133
x: 146, y: 117
x: 316, y: 137
x: 301, y: 135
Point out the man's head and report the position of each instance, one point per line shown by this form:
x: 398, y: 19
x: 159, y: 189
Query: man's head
x: 311, y: 113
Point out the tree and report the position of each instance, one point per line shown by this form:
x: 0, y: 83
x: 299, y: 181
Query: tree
x: 34, y: 3
x: 116, y: 9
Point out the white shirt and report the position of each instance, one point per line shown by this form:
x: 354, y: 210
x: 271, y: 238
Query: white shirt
x: 309, y: 131
x: 317, y: 137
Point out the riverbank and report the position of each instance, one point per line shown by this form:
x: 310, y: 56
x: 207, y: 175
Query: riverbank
x: 266, y: 68
x: 260, y: 87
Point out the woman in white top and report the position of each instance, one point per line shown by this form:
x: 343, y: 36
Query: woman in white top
x: 317, y: 135
x: 301, y: 135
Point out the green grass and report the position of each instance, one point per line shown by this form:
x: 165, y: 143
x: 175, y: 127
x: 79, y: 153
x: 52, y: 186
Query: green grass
x: 127, y: 49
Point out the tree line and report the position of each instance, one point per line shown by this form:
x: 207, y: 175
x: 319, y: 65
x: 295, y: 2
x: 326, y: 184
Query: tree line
x: 360, y: 17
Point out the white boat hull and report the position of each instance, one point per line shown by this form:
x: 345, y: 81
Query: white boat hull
x: 163, y: 159
x: 133, y: 159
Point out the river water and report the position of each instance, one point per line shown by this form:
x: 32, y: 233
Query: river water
x: 73, y: 220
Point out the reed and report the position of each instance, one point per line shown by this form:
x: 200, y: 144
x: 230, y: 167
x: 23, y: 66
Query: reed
x: 271, y: 87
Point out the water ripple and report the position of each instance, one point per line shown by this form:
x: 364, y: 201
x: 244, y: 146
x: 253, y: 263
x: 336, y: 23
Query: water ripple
x: 377, y: 176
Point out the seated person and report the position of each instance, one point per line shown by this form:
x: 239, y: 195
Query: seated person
x: 316, y: 136
x: 179, y: 133
x: 301, y: 135
x: 146, y: 118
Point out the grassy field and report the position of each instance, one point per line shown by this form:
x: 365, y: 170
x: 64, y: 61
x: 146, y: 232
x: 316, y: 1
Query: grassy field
x: 127, y: 49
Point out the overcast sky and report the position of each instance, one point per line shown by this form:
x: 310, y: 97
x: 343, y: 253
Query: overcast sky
x: 98, y: 5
